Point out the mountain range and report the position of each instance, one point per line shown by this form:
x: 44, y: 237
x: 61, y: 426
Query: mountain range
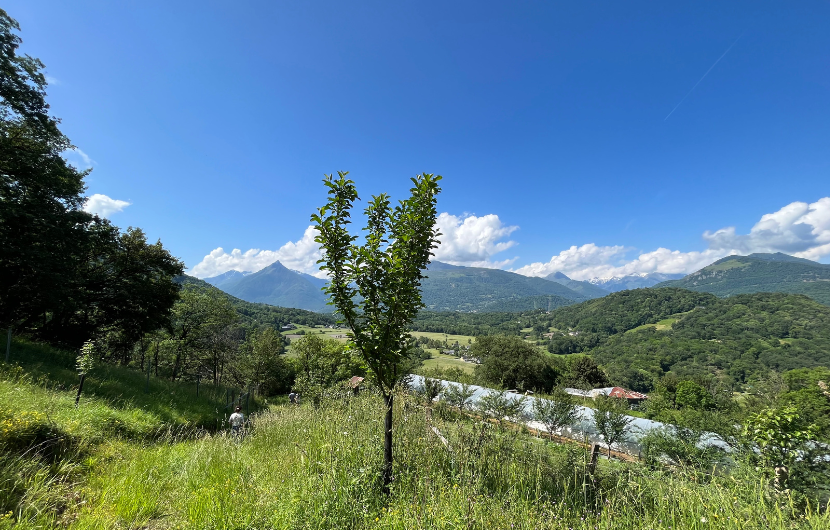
x: 586, y: 289
x: 773, y: 273
x: 446, y: 288
x: 226, y: 278
x: 473, y: 289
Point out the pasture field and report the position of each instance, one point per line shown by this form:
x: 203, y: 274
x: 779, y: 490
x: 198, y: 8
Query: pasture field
x: 662, y: 325
x: 335, y: 334
x: 442, y: 361
x: 450, y: 338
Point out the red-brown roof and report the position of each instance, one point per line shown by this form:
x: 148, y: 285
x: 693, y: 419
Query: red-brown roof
x: 619, y: 392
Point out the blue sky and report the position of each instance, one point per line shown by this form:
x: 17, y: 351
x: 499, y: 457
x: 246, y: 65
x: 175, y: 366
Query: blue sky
x: 216, y: 121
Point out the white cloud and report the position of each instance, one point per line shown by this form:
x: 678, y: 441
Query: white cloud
x: 301, y: 256
x: 472, y: 241
x: 104, y: 206
x: 467, y: 240
x: 52, y: 80
x: 78, y: 158
x: 799, y: 229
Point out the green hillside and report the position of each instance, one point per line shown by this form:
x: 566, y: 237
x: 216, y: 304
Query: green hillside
x: 775, y: 273
x: 544, y: 302
x: 640, y: 336
x: 625, y: 310
x: 455, y: 288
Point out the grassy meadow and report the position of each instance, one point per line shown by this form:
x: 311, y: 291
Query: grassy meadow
x: 442, y: 362
x: 451, y: 339
x: 116, y: 463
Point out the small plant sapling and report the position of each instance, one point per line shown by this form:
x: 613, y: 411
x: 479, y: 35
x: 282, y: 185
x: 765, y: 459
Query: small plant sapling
x: 501, y: 406
x: 557, y: 412
x: 458, y: 395
x: 84, y: 364
x: 611, y: 419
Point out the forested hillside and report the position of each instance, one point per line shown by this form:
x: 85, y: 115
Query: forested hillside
x: 737, y: 339
x: 626, y: 310
x: 640, y: 336
x: 453, y: 288
x: 774, y: 273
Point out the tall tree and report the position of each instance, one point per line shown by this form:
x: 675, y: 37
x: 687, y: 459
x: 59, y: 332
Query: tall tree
x: 197, y: 317
x: 123, y: 287
x: 508, y: 361
x: 375, y: 286
x: 261, y: 363
x: 321, y: 363
x: 65, y: 275
x: 41, y: 220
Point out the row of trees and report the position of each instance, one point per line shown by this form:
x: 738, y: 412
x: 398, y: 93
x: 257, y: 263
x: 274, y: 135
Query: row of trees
x: 700, y: 432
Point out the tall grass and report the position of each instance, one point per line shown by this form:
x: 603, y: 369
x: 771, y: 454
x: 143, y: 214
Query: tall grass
x: 318, y: 468
x: 48, y: 446
x: 121, y: 460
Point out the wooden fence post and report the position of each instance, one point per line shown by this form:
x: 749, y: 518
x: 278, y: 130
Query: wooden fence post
x: 592, y: 465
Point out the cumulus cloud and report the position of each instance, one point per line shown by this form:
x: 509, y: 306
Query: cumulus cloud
x: 104, y: 206
x: 466, y: 240
x: 300, y: 256
x: 472, y: 241
x: 799, y: 229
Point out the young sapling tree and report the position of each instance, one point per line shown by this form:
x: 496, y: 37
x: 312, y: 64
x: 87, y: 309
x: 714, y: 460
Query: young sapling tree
x: 557, y: 412
x: 501, y: 406
x: 432, y: 389
x: 84, y: 364
x: 376, y: 286
x: 611, y: 419
x: 458, y: 395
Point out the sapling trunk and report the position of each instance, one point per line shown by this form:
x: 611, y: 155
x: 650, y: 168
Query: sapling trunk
x: 387, y: 444
x: 80, y: 389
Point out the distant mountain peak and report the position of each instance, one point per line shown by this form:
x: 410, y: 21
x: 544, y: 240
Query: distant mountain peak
x: 637, y: 280
x: 226, y: 277
x: 583, y: 288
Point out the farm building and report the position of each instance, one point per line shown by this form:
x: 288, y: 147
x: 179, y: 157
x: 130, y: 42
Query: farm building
x: 634, y: 398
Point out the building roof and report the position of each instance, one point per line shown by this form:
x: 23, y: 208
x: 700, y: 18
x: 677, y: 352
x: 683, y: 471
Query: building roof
x: 618, y: 392
x: 578, y: 392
